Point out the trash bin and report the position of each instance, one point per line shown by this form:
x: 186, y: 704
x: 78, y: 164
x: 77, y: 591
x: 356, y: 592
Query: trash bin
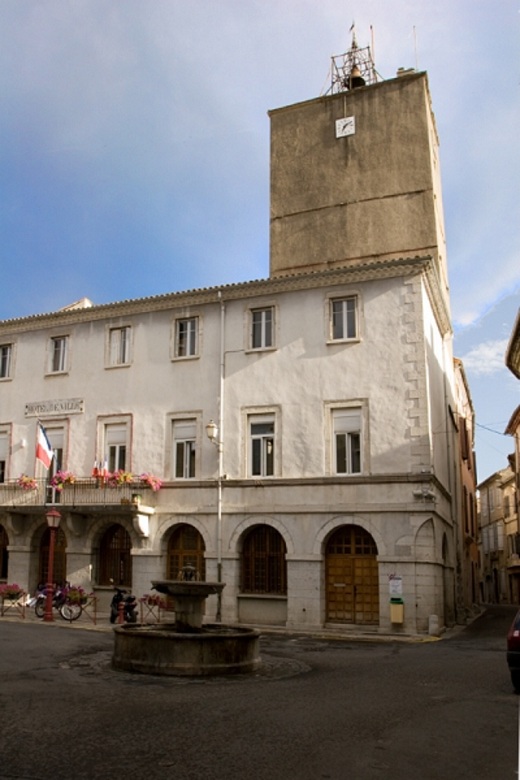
x: 396, y: 610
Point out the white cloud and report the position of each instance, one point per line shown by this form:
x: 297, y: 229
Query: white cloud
x: 486, y: 358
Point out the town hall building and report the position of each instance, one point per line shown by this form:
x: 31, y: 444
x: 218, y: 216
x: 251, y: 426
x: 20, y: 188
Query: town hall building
x: 302, y: 429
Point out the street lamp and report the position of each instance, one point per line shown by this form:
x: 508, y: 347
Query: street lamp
x: 213, y: 435
x: 53, y: 521
x: 212, y: 431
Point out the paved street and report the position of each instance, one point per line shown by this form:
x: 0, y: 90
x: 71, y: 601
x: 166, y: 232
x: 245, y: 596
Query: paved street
x: 318, y: 709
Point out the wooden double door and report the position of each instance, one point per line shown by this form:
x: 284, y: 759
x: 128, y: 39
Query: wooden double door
x: 352, y: 578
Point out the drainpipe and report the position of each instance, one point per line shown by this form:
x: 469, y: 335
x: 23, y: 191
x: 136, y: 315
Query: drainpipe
x: 220, y: 445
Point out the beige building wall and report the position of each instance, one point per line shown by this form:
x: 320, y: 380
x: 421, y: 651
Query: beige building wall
x: 399, y: 493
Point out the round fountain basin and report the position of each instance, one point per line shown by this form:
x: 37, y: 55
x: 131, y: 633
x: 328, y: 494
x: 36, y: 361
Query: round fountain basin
x: 160, y: 649
x: 195, y: 588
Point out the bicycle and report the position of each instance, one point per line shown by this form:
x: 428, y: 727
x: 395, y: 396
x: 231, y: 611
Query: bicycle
x: 68, y: 610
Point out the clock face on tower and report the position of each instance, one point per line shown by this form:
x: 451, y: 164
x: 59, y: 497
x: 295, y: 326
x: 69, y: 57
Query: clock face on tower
x: 345, y: 126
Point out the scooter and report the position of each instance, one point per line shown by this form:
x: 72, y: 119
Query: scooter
x: 129, y: 608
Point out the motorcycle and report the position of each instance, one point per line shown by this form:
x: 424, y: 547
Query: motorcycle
x: 67, y: 610
x: 129, y: 608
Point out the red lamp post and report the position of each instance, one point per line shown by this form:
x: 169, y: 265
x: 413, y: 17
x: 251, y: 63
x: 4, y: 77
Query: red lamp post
x: 53, y: 521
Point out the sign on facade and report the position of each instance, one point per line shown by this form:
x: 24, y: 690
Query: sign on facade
x: 59, y: 406
x: 395, y: 585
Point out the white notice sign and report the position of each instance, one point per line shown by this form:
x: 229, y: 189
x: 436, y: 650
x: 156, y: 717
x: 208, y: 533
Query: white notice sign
x: 395, y: 585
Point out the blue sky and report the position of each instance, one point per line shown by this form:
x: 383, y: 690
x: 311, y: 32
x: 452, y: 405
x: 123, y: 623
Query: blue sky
x: 134, y: 150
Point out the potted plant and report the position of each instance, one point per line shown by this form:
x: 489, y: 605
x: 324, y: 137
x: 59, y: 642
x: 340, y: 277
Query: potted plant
x: 151, y: 481
x: 121, y: 477
x: 11, y: 592
x: 75, y: 594
x: 62, y: 478
x: 26, y: 483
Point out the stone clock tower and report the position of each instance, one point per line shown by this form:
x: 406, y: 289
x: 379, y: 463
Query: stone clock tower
x: 355, y: 174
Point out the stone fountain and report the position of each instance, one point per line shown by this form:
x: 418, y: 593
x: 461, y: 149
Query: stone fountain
x: 187, y: 646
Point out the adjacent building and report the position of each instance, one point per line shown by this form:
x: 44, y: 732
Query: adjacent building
x: 500, y: 541
x: 513, y: 429
x: 468, y: 577
x: 306, y: 427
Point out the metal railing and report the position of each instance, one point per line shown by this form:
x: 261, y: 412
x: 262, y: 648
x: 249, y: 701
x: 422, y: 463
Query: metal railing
x: 80, y: 493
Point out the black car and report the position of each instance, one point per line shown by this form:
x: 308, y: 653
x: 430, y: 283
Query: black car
x: 513, y: 652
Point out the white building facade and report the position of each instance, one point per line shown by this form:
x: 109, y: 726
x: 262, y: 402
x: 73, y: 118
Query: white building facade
x: 329, y: 486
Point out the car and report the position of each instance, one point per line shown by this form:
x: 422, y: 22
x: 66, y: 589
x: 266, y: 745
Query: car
x: 513, y: 652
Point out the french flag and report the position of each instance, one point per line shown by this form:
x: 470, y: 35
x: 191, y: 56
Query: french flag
x: 44, y: 451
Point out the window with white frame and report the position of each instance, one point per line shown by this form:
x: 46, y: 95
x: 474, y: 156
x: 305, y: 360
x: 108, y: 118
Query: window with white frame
x: 346, y: 424
x: 59, y: 348
x: 184, y: 438
x: 119, y: 346
x: 262, y: 321
x: 344, y: 318
x: 6, y: 355
x: 116, y: 445
x: 4, y: 454
x: 186, y: 337
x: 261, y: 432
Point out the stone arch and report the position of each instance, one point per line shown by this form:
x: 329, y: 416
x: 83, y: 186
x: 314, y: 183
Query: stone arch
x: 249, y: 522
x: 114, y: 556
x: 37, y: 536
x: 169, y: 525
x: 425, y: 541
x: 263, y: 560
x: 323, y: 534
x: 98, y: 526
x: 185, y: 547
x: 59, y: 571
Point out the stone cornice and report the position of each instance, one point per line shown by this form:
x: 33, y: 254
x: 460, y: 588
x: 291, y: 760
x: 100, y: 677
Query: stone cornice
x: 513, y: 426
x: 437, y: 299
x: 513, y: 349
x: 348, y: 274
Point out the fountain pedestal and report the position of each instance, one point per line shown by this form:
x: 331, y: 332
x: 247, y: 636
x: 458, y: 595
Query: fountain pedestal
x: 186, y: 647
x: 188, y: 600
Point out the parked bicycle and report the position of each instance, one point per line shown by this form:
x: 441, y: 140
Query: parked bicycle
x: 68, y: 610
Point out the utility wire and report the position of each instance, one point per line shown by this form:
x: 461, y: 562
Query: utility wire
x: 485, y: 428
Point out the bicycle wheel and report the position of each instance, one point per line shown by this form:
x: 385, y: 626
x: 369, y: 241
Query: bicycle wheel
x: 70, y: 612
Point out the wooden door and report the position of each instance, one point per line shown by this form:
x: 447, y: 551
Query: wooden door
x: 352, y: 577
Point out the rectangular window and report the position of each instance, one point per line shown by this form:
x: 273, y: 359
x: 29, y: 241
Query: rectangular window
x: 262, y: 445
x: 262, y: 328
x: 4, y: 454
x: 184, y: 437
x: 463, y: 438
x: 347, y: 440
x: 344, y: 318
x: 59, y: 350
x: 116, y: 446
x: 186, y: 337
x: 6, y: 352
x: 56, y: 437
x: 119, y: 346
